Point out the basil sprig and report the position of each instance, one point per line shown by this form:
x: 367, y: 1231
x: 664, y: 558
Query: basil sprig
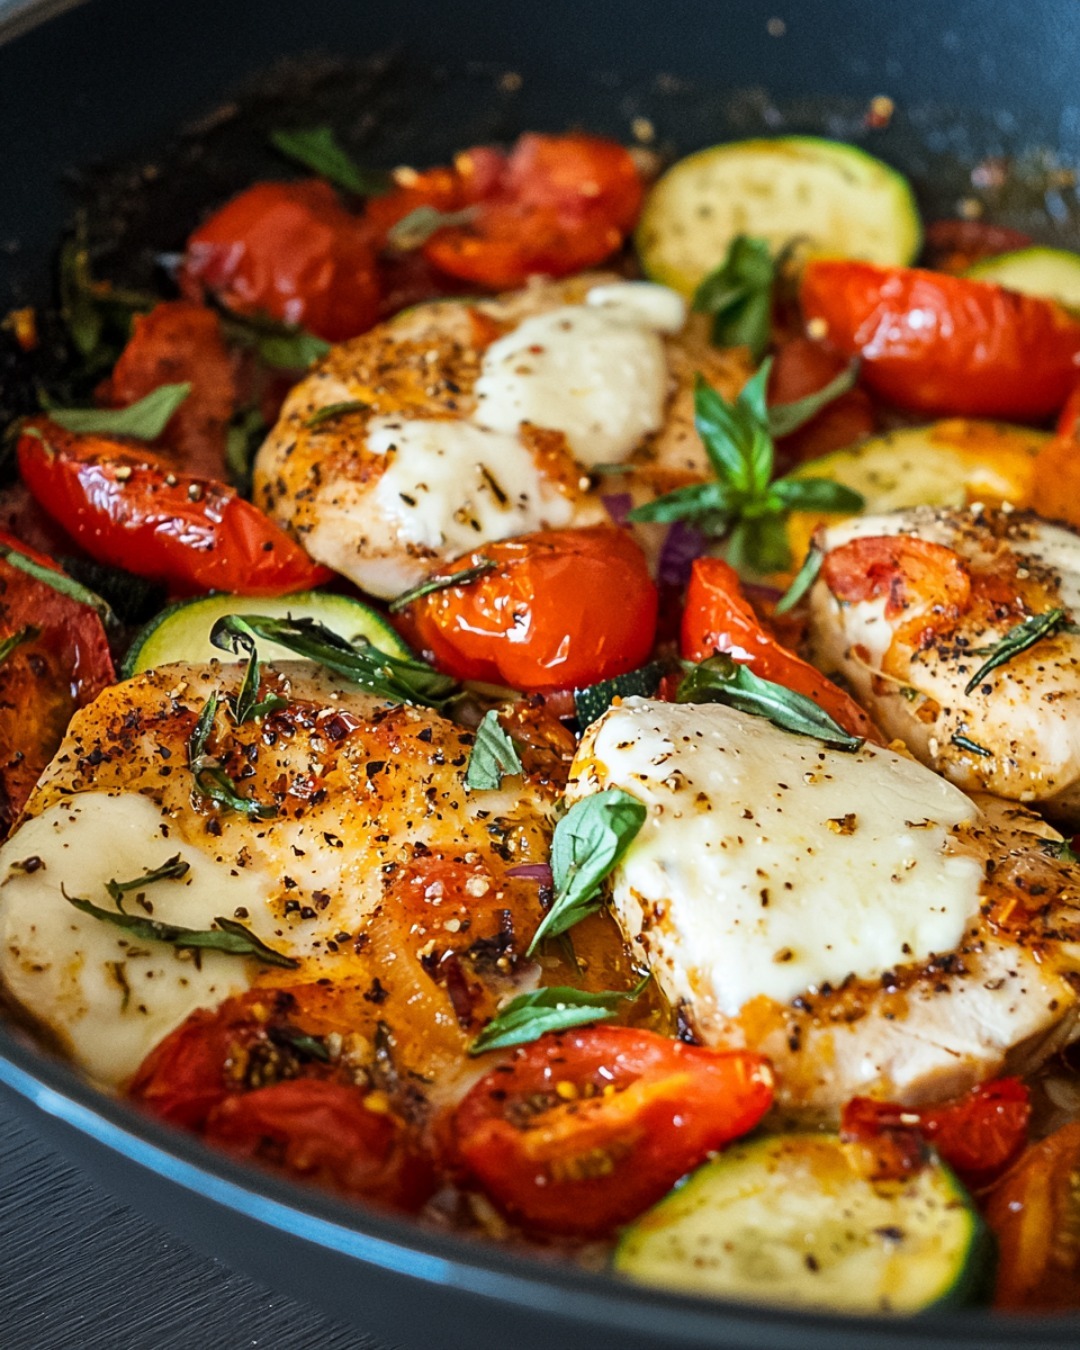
x: 558, y: 1008
x: 493, y: 755
x: 27, y: 633
x: 744, y: 501
x: 442, y: 583
x: 804, y: 579
x: 719, y: 679
x: 414, y: 230
x: 1015, y: 641
x: 588, y: 843
x: 211, y: 780
x: 392, y: 677
x: 144, y: 420
x: 738, y: 294
x: 330, y: 411
x: 247, y: 706
x: 318, y: 149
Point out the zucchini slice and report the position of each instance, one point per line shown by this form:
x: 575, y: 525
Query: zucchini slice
x: 947, y: 463
x: 1048, y: 273
x: 786, y: 1219
x: 840, y: 200
x: 182, y: 632
x: 591, y: 702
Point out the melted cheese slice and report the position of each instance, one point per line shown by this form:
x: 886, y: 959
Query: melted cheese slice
x: 107, y: 995
x: 770, y: 864
x: 596, y: 372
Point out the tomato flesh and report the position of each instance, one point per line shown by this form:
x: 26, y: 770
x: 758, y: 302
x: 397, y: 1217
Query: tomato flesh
x: 802, y: 367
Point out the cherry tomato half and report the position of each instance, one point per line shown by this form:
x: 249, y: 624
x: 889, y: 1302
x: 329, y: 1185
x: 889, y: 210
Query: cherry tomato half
x: 938, y: 344
x: 289, y: 251
x: 582, y: 1131
x: 954, y: 245
x: 125, y: 507
x: 719, y: 618
x: 802, y: 367
x: 561, y: 609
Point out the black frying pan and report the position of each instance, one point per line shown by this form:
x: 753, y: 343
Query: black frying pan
x: 103, y: 88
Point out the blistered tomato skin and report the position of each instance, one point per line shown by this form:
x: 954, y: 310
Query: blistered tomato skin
x: 127, y: 509
x: 289, y: 251
x: 937, y: 344
x: 561, y: 609
x: 579, y: 1133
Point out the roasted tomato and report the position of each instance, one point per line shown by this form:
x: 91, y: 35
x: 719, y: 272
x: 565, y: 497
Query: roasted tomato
x: 1035, y: 1214
x: 938, y: 344
x: 555, y: 205
x: 978, y: 1134
x: 560, y: 609
x: 1068, y: 423
x: 719, y: 618
x: 802, y: 367
x: 580, y: 1132
x: 180, y: 342
x: 123, y: 505
x: 954, y: 245
x: 289, y: 251
x: 61, y: 663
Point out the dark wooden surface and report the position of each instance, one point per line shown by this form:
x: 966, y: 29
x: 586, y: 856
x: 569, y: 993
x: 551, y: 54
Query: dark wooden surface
x: 79, y: 1271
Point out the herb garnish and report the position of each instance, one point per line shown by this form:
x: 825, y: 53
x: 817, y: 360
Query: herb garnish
x: 1015, y: 641
x: 804, y: 579
x: 719, y: 679
x: 27, y: 633
x: 247, y: 705
x: 973, y: 747
x: 210, y: 779
x: 144, y: 420
x: 588, y: 843
x: 493, y: 755
x: 172, y: 869
x: 393, y: 677
x: 318, y: 149
x: 414, y: 230
x: 1061, y: 849
x: 557, y: 1008
x: 332, y: 410
x: 58, y: 581
x: 230, y: 937
x: 743, y: 501
x: 442, y: 583
x: 738, y: 294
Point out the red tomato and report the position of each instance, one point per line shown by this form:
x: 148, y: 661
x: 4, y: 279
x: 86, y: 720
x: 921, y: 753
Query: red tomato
x: 1035, y: 1215
x: 938, y: 344
x: 802, y: 367
x: 580, y: 1132
x: 290, y: 251
x: 334, y: 1134
x: 42, y: 681
x: 562, y: 609
x: 1068, y: 423
x: 180, y: 342
x: 719, y: 618
x: 954, y: 245
x: 978, y: 1135
x: 126, y: 508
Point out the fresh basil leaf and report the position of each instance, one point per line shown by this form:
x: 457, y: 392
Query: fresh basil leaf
x: 817, y: 494
x: 229, y: 937
x: 529, y: 1016
x: 246, y: 433
x: 247, y: 705
x: 700, y: 502
x: 587, y: 844
x: 442, y: 583
x: 759, y: 544
x: 1015, y: 641
x: 726, y: 433
x: 722, y: 680
x: 144, y: 420
x: 414, y: 230
x: 738, y: 294
x: 804, y: 579
x: 28, y: 633
x: 391, y: 677
x: 211, y: 780
x: 333, y: 410
x: 318, y: 149
x: 784, y: 418
x: 295, y: 350
x: 171, y: 870
x: 58, y: 581
x: 493, y: 755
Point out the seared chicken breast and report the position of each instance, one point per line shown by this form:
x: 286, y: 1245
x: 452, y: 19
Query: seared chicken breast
x: 364, y: 864
x: 853, y: 916
x: 909, y: 625
x: 462, y: 422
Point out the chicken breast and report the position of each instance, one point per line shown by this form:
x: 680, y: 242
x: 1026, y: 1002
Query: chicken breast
x: 908, y: 628
x: 458, y: 423
x: 370, y: 866
x: 853, y: 916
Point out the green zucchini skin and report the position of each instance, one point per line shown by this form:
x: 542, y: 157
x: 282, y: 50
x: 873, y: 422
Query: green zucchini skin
x: 1046, y: 273
x: 786, y: 1219
x: 593, y: 701
x: 182, y: 631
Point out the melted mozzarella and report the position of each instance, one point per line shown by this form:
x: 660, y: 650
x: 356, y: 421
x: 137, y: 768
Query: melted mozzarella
x: 596, y: 372
x: 769, y: 864
x: 108, y: 994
